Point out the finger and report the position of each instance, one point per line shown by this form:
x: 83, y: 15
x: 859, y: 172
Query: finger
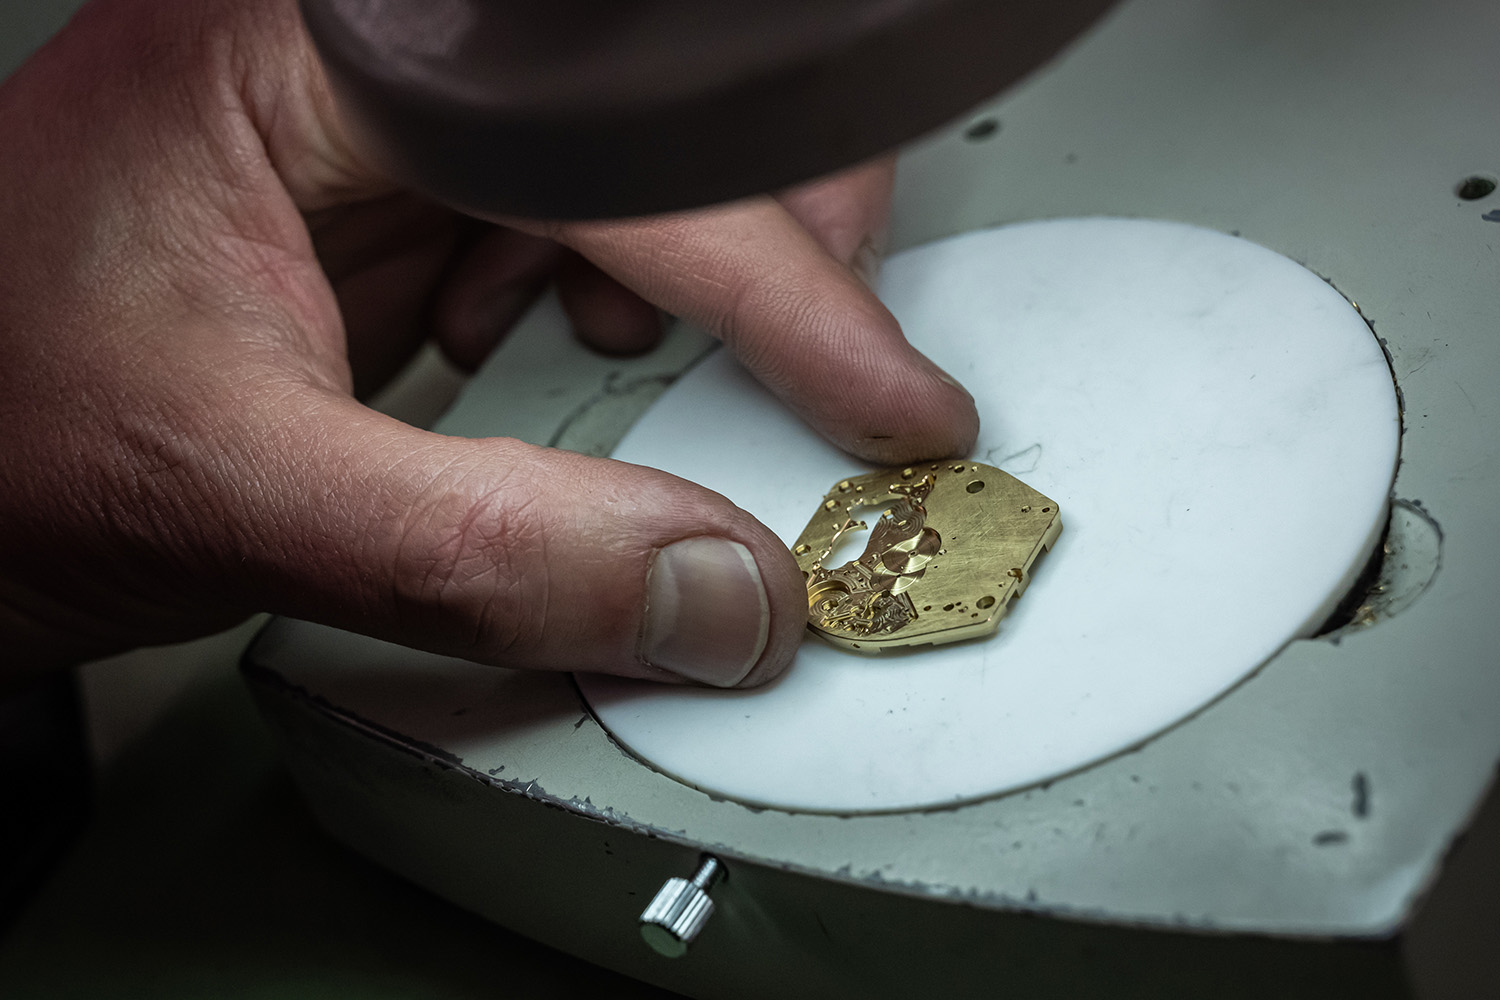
x: 800, y: 321
x: 516, y: 555
x: 489, y: 289
x: 848, y: 213
x: 605, y: 314
x: 382, y: 257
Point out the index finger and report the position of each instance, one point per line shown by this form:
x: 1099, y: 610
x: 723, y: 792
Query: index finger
x: 795, y: 317
x: 847, y: 212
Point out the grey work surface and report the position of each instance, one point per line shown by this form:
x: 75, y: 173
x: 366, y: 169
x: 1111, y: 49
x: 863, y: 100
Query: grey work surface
x: 1317, y: 800
x: 1323, y: 153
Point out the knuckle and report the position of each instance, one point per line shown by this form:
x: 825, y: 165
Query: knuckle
x: 471, y: 564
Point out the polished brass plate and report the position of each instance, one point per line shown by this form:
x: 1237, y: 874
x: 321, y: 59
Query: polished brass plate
x: 953, y: 545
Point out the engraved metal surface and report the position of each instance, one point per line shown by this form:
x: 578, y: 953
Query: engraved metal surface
x: 952, y: 546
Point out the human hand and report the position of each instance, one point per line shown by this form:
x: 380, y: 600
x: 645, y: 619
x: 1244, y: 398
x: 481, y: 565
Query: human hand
x: 197, y: 270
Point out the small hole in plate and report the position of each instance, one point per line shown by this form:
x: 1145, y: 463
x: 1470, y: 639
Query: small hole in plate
x: 1474, y: 188
x: 982, y: 129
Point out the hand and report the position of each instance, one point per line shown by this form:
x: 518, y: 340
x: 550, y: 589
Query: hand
x: 197, y: 271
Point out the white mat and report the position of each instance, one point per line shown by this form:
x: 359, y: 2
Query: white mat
x: 1220, y: 429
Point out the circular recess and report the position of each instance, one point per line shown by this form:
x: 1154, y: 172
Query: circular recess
x: 1220, y: 429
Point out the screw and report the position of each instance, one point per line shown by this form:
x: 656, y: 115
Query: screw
x: 680, y: 908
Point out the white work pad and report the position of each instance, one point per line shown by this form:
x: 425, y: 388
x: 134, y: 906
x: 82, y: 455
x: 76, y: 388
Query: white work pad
x: 1220, y: 429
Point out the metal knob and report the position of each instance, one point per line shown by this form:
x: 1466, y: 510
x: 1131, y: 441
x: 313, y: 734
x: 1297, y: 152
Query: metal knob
x: 680, y: 908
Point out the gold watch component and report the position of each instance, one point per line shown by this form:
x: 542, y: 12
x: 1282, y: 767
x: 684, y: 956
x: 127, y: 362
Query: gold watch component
x: 953, y: 543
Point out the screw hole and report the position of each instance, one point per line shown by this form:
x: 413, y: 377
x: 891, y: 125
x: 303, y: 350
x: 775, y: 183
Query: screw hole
x: 975, y: 486
x: 1474, y: 188
x: 982, y: 129
x: 985, y: 603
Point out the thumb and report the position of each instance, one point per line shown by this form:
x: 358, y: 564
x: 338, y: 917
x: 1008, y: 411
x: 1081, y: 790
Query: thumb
x: 522, y: 556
